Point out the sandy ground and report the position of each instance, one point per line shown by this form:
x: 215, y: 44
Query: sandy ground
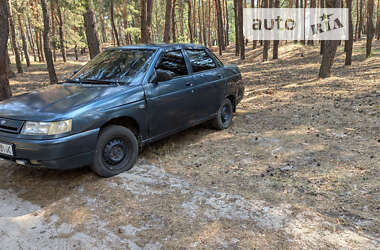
x: 298, y: 169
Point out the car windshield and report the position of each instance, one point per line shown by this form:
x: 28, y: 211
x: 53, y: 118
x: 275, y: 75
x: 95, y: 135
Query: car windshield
x: 113, y: 66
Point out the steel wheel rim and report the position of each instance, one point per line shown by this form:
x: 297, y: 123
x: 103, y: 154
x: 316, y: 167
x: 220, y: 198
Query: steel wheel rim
x: 115, y: 152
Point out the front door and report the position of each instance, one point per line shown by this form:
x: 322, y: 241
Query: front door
x: 171, y: 103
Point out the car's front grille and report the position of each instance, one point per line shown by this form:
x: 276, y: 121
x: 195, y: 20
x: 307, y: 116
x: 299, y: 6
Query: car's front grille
x: 10, y: 126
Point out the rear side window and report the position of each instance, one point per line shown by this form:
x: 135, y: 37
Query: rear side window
x: 174, y: 63
x: 200, y: 60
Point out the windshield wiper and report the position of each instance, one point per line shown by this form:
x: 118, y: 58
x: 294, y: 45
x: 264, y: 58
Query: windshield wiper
x: 92, y: 81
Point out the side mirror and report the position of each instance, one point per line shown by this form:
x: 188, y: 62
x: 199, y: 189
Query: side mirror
x: 75, y: 71
x: 163, y: 75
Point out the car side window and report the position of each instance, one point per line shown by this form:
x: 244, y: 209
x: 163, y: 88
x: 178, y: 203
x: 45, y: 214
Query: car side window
x: 173, y: 63
x: 200, y: 60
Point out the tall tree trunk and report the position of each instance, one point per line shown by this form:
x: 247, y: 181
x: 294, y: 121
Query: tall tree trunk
x: 48, y: 55
x: 357, y: 20
x: 266, y: 42
x: 241, y: 35
x: 209, y: 2
x: 61, y: 38
x: 91, y: 34
x: 168, y: 11
x: 103, y: 27
x: 330, y: 47
x: 227, y: 41
x: 149, y: 19
x: 5, y: 90
x: 370, y: 27
x: 181, y: 18
x: 29, y: 35
x: 113, y: 23
x: 360, y: 20
x: 14, y: 41
x: 276, y: 42
x: 200, y: 35
x: 52, y: 33
x: 41, y: 46
x: 254, y: 42
x: 23, y: 39
x: 322, y: 42
x: 378, y: 21
x: 204, y: 24
x: 220, y: 26
x: 195, y: 20
x: 350, y: 41
x: 39, y: 52
x: 144, y: 28
x: 237, y: 40
x: 173, y: 17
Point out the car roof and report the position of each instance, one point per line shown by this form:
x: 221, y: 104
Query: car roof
x: 164, y: 46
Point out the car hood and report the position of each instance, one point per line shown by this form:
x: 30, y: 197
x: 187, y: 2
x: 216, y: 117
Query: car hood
x: 55, y: 100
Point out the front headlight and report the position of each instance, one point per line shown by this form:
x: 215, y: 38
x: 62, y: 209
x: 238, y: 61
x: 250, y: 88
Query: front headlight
x: 47, y: 128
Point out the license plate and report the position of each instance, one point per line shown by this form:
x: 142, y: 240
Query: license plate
x: 6, y: 149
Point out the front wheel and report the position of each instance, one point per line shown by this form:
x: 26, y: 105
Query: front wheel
x: 224, y: 117
x: 116, y: 151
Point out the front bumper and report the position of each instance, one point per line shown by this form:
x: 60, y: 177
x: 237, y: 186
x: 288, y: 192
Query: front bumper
x: 64, y: 153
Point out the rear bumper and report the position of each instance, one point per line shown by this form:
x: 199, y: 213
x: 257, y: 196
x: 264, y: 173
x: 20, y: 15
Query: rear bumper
x: 64, y: 153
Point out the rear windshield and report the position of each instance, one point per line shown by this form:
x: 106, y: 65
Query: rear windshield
x: 119, y: 65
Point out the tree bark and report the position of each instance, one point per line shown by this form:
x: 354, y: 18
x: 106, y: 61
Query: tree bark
x: 13, y: 40
x: 113, y: 23
x: 41, y: 46
x: 350, y: 41
x: 5, y: 90
x: 188, y: 22
x: 378, y: 21
x: 144, y: 28
x: 227, y: 42
x: 266, y: 42
x: 276, y: 42
x: 29, y: 35
x: 91, y: 34
x: 52, y: 32
x: 370, y: 27
x: 237, y: 40
x: 23, y: 39
x: 181, y: 18
x: 103, y: 27
x: 48, y: 55
x: 220, y: 26
x: 149, y: 11
x: 173, y: 17
x: 168, y: 11
x: 330, y: 47
x: 360, y: 19
x: 61, y: 38
x: 241, y: 35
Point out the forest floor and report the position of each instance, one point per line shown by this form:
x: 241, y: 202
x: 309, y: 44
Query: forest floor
x: 299, y: 168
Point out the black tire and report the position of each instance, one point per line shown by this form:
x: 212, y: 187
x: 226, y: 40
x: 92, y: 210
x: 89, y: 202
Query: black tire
x: 116, y: 151
x: 223, y: 119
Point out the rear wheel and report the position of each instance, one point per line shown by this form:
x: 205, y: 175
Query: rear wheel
x: 116, y: 151
x: 224, y: 117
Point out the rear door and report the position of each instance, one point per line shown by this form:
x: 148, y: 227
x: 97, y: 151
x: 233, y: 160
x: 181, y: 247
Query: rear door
x: 208, y: 82
x: 171, y: 103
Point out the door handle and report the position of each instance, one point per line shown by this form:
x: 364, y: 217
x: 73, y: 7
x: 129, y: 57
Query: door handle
x: 188, y: 84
